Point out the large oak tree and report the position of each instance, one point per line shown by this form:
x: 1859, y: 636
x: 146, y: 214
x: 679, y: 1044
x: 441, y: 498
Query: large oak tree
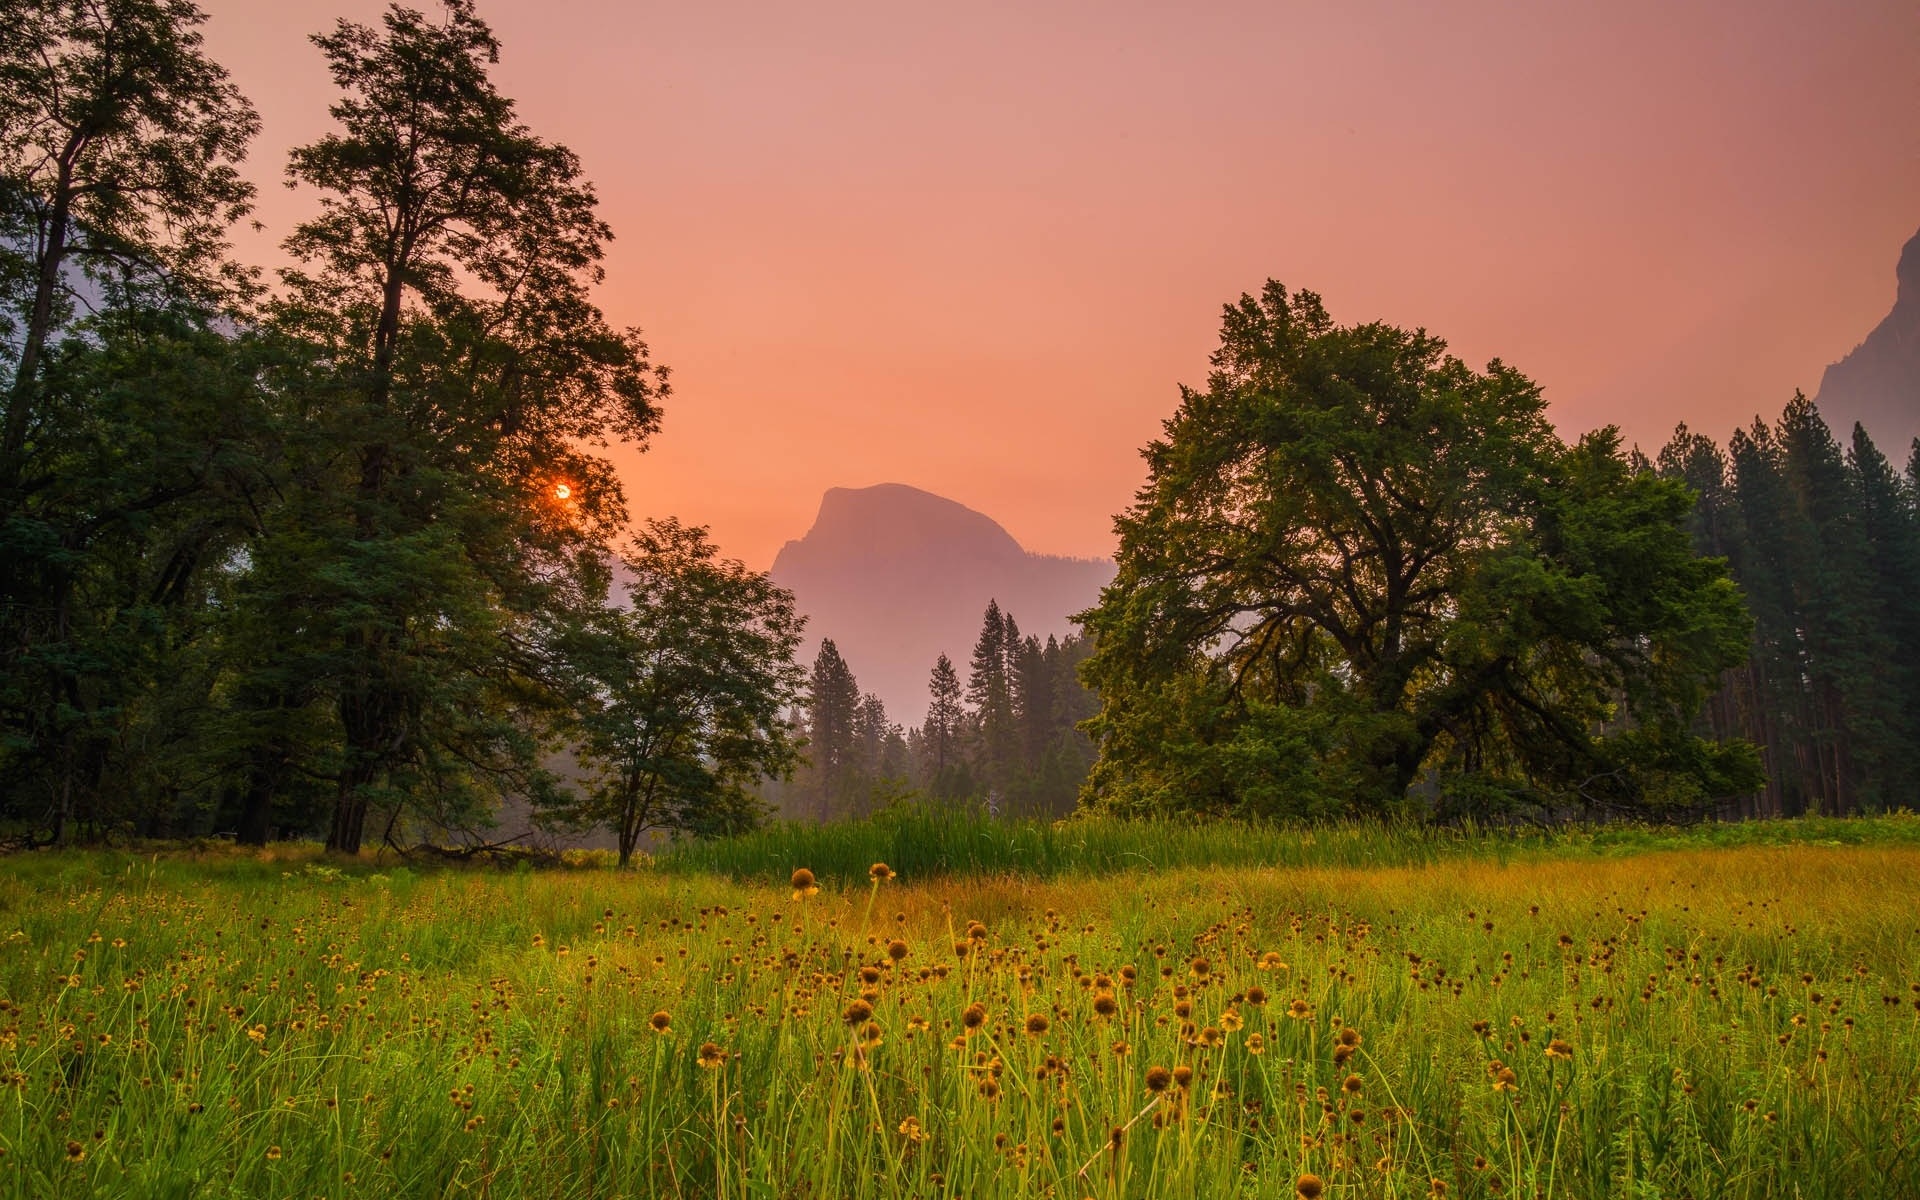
x: 1359, y: 565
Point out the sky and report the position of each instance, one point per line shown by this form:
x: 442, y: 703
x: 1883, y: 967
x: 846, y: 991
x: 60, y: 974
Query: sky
x: 976, y: 247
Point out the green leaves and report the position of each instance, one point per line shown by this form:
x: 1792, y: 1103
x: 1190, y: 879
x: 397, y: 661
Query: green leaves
x: 1357, y: 561
x: 676, y: 701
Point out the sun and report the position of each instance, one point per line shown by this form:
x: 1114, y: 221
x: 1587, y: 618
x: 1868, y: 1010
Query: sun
x: 561, y: 491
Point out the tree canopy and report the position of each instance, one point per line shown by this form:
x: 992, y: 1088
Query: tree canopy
x: 1358, y: 566
x: 678, y: 698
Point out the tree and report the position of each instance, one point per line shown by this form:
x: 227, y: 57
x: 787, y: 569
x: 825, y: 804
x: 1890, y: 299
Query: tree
x: 1890, y: 527
x: 677, y: 701
x: 462, y: 373
x: 941, y: 733
x: 124, y: 417
x: 1357, y: 561
x: 119, y: 140
x: 833, y: 702
x: 990, y: 692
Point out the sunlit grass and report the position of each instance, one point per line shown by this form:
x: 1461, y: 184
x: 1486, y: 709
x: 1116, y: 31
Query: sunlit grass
x: 1734, y: 1022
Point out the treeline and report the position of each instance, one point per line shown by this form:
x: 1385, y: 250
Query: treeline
x: 1006, y: 741
x: 335, y: 556
x: 1824, y: 541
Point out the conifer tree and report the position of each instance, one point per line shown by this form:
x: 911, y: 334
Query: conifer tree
x: 1890, y: 530
x: 1844, y: 643
x: 833, y: 701
x: 939, y: 743
x: 990, y: 691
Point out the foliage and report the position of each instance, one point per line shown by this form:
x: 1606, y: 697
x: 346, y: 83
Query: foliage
x: 677, y: 700
x: 1357, y: 563
x: 445, y: 283
x: 316, y: 560
x: 124, y: 440
x: 1826, y: 546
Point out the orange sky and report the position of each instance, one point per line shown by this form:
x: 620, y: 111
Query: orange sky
x: 974, y: 247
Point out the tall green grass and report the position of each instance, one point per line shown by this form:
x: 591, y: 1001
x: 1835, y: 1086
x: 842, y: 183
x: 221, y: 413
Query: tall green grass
x: 924, y: 841
x: 1718, y: 1023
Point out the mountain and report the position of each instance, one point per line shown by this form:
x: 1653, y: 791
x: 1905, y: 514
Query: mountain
x: 895, y: 576
x: 1878, y: 384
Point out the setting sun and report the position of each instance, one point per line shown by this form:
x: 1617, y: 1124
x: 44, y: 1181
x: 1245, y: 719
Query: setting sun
x: 561, y: 491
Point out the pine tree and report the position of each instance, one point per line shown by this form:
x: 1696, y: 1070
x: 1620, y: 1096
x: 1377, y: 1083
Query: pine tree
x: 939, y: 746
x: 832, y: 733
x: 990, y: 692
x: 1845, y: 643
x: 1890, y: 529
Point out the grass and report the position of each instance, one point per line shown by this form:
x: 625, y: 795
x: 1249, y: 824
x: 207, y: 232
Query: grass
x: 1724, y: 1020
x: 924, y: 842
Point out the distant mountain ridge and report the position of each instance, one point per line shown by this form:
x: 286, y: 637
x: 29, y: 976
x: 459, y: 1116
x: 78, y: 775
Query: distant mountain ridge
x: 1878, y: 384
x: 896, y: 576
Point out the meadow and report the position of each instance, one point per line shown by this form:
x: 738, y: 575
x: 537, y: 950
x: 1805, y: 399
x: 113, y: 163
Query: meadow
x: 1703, y: 1014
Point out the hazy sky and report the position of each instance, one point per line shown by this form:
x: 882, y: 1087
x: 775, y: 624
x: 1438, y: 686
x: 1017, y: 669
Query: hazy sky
x: 975, y: 246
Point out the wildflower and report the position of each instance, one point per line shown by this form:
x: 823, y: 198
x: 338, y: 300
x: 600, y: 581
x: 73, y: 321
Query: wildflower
x: 1200, y: 968
x: 879, y: 872
x: 1309, y: 1187
x: 910, y: 1129
x: 75, y: 1152
x: 1352, y: 1086
x: 1299, y: 1010
x: 273, y: 1153
x: 1036, y: 1024
x: 1559, y: 1049
x: 1271, y: 961
x: 871, y: 1036
x: 712, y: 1057
x: 1121, y: 1049
x: 1256, y: 1044
x: 975, y: 1016
x: 1104, y: 1005
x: 660, y: 1021
x: 1256, y: 995
x: 1230, y: 1021
x: 1504, y: 1080
x: 1158, y: 1078
x: 803, y: 884
x: 856, y: 1012
x: 896, y: 950
x: 1183, y: 1075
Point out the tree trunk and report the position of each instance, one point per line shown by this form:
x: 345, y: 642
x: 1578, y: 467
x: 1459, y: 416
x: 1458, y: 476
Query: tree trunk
x: 39, y: 326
